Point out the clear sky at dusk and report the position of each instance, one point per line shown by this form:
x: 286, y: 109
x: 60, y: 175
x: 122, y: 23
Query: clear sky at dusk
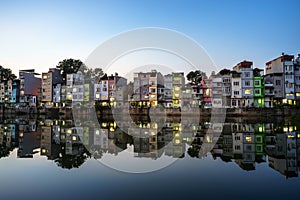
x: 38, y: 34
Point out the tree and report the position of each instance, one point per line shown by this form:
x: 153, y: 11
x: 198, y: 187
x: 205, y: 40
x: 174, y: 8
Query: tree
x: 6, y: 74
x: 94, y: 74
x: 70, y: 66
x: 195, y: 77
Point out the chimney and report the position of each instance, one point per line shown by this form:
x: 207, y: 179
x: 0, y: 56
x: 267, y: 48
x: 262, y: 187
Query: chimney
x: 282, y: 53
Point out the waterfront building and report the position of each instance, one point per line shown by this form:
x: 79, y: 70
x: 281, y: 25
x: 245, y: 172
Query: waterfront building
x: 297, y: 77
x: 117, y: 90
x: 168, y: 85
x: 217, y: 90
x: 245, y: 68
x: 226, y: 90
x: 236, y: 91
x: 30, y: 88
x: 9, y: 93
x: 281, y: 73
x: 178, y: 82
x: 50, y: 80
x: 206, y: 85
x: 146, y: 88
x: 258, y: 87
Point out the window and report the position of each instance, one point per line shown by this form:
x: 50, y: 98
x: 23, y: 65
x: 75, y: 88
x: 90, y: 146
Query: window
x: 236, y: 92
x: 236, y: 83
x: 247, y: 74
x: 153, y: 90
x: 278, y: 82
x: 247, y: 91
x: 237, y: 147
x: 289, y: 68
x: 233, y: 102
x: 247, y: 83
x: 289, y: 85
x: 256, y: 82
x: 257, y: 91
x: 248, y: 139
x: 237, y: 138
x: 258, y: 139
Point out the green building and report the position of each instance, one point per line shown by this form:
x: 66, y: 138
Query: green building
x: 258, y: 93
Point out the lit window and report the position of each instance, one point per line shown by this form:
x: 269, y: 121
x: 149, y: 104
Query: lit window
x: 248, y: 139
x: 247, y: 91
x: 97, y: 96
x: 74, y: 138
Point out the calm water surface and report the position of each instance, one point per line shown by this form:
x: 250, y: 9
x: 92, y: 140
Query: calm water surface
x: 59, y: 159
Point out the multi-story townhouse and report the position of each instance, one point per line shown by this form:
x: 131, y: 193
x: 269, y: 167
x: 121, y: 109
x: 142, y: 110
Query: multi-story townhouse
x: 269, y: 92
x: 226, y: 90
x: 178, y: 83
x: 236, y: 89
x: 297, y: 77
x: 30, y: 88
x: 197, y: 95
x: 206, y: 85
x: 281, y: 73
x: 9, y: 93
x: 217, y: 90
x: 245, y: 68
x: 168, y: 85
x: 258, y: 87
x: 117, y: 86
x: 147, y: 88
x: 49, y: 80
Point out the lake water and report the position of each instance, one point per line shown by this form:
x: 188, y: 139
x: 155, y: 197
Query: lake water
x: 62, y: 159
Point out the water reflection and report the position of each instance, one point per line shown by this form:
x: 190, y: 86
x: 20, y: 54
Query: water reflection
x: 66, y: 142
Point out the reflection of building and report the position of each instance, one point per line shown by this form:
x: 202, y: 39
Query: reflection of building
x: 28, y: 142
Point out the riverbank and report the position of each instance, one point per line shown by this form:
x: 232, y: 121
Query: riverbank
x: 232, y: 112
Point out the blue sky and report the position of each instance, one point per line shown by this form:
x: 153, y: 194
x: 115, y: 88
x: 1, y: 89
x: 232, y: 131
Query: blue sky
x: 38, y: 34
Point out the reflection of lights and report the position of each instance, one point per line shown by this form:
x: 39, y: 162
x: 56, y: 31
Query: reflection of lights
x: 69, y: 131
x: 291, y: 136
x: 298, y: 136
x: 21, y: 134
x: 44, y: 150
x: 104, y: 124
x: 177, y: 135
x: 74, y: 138
x: 291, y: 128
x: 97, y: 132
x: 285, y: 129
x: 177, y: 141
x: 111, y: 129
x: 208, y: 139
x: 260, y: 129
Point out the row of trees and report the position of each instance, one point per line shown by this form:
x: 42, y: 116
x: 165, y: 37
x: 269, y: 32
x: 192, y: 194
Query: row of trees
x: 69, y: 66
